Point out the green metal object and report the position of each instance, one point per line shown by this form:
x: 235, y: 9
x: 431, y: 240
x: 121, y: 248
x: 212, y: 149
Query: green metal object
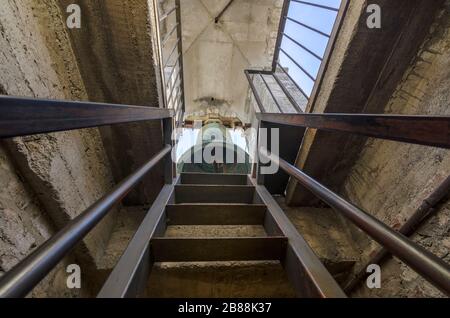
x: 211, y: 136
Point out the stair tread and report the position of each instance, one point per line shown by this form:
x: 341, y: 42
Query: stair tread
x: 213, y: 204
x: 214, y: 193
x: 241, y: 279
x: 211, y: 231
x: 215, y: 185
x: 193, y: 174
x: 189, y: 249
x: 215, y: 214
x: 214, y: 178
x: 222, y: 238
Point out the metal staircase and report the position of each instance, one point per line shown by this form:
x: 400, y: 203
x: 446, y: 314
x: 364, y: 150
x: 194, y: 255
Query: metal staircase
x: 217, y: 200
x: 207, y: 199
x: 210, y: 198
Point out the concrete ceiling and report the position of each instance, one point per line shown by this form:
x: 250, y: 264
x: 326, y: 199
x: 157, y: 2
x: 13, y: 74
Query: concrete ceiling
x: 216, y: 55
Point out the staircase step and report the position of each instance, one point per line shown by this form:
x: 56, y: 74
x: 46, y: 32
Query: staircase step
x: 248, y: 279
x: 211, y: 231
x: 218, y: 249
x: 214, y: 178
x: 214, y: 194
x: 215, y: 214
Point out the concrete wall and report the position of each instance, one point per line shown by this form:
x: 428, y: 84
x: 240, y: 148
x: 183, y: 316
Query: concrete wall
x: 25, y: 225
x: 65, y: 172
x: 390, y: 180
x: 216, y: 54
x: 364, y: 69
x: 114, y: 52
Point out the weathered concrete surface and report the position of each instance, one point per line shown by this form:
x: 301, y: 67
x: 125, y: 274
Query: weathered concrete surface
x: 323, y: 229
x: 216, y: 231
x: 115, y: 55
x: 390, y: 180
x: 329, y: 237
x: 397, y: 279
x: 67, y: 171
x: 215, y: 55
x: 126, y: 224
x: 208, y: 279
x: 24, y: 225
x: 219, y: 280
x: 364, y: 70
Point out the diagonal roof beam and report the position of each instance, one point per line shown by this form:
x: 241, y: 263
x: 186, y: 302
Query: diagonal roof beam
x: 216, y: 20
x: 226, y: 32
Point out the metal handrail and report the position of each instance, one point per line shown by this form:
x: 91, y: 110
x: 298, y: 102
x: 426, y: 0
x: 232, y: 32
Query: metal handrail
x: 416, y: 129
x: 21, y: 116
x: 431, y: 267
x: 52, y: 116
x: 19, y: 281
x: 433, y: 132
x: 424, y: 211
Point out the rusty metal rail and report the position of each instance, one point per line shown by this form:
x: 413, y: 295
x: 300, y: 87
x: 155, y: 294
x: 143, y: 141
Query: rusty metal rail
x: 26, y: 116
x: 19, y: 281
x: 431, y: 267
x: 422, y: 130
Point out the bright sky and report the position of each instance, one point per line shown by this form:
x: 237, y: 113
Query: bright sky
x: 317, y: 18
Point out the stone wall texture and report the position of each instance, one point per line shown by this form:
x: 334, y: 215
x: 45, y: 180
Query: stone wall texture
x: 390, y: 179
x: 65, y: 172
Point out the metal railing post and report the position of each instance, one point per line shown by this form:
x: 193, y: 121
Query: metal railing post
x: 262, y: 127
x: 168, y: 140
x: 180, y: 52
